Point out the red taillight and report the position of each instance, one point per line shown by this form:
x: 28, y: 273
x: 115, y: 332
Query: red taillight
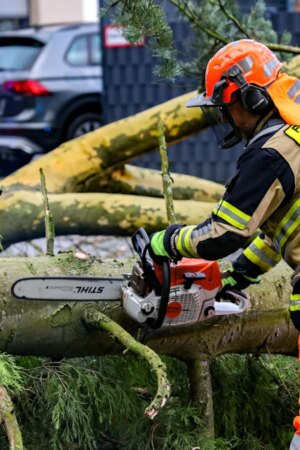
x: 26, y: 87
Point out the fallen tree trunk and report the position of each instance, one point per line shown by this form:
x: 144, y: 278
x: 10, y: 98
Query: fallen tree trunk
x: 58, y: 329
x: 78, y: 165
x: 148, y: 182
x: 22, y: 214
x: 293, y: 67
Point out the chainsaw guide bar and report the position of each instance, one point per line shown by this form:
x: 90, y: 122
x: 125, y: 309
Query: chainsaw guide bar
x: 68, y: 288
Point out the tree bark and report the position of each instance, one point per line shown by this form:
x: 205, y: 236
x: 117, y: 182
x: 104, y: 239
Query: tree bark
x: 78, y: 165
x: 201, y: 394
x: 148, y: 182
x: 22, y: 214
x: 8, y: 417
x: 58, y: 329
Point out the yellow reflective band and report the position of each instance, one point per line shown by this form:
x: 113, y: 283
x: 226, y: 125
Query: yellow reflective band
x: 287, y: 225
x: 264, y: 247
x: 183, y: 242
x: 232, y: 215
x: 255, y: 259
x: 236, y: 211
x: 294, y: 302
x: 261, y: 254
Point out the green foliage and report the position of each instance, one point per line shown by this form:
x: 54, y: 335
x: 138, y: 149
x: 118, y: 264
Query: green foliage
x: 71, y: 400
x: 144, y: 18
x: 98, y: 403
x: 256, y: 400
x: 215, y: 23
x: 262, y: 30
x: 11, y: 376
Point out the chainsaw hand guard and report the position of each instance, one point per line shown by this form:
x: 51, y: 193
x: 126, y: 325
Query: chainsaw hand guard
x: 141, y: 244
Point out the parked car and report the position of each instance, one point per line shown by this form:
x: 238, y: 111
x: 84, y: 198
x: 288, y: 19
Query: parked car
x: 50, y: 89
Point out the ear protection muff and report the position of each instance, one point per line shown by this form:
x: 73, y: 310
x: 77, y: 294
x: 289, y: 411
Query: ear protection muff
x: 254, y: 98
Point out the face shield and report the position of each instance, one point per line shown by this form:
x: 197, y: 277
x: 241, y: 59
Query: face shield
x: 218, y: 116
x: 220, y: 121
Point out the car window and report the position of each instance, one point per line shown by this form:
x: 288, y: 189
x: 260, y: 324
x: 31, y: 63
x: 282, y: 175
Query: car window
x: 77, y: 54
x: 18, y: 53
x: 95, y: 49
x: 84, y: 50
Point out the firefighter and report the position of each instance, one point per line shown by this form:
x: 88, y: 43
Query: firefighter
x: 248, y: 97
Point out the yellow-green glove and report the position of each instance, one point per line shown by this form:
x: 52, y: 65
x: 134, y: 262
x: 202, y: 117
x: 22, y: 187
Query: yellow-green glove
x: 162, y: 244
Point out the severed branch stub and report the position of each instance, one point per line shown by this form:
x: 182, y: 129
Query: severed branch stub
x: 166, y: 177
x: 7, y: 416
x: 100, y: 320
x: 49, y: 222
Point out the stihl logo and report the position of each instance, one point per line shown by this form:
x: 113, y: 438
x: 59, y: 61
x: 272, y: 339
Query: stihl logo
x: 89, y: 289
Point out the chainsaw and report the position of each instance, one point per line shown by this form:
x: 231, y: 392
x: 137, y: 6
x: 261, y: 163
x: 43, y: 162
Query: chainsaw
x: 157, y: 295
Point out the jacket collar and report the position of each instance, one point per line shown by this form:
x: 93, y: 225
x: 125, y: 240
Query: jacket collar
x: 268, y: 125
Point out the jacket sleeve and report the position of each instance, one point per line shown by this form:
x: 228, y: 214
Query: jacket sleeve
x: 259, y: 257
x: 263, y: 181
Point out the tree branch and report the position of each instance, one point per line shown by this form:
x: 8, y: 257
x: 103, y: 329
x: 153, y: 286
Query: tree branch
x: 7, y: 416
x: 49, y: 223
x: 197, y: 22
x: 166, y: 178
x: 233, y: 19
x: 98, y: 319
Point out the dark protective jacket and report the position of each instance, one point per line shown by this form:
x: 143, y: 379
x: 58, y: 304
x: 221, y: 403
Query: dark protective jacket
x: 263, y: 194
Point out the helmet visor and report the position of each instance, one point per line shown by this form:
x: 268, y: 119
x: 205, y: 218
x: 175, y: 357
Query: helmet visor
x: 200, y: 100
x: 219, y: 119
x: 215, y: 100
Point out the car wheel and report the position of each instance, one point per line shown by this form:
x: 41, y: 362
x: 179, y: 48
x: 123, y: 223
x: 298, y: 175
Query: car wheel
x: 83, y: 124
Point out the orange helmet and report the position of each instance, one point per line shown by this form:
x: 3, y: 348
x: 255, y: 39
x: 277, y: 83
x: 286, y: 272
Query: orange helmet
x: 238, y: 66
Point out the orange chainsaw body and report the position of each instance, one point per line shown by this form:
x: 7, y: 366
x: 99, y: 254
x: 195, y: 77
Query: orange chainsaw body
x: 210, y: 269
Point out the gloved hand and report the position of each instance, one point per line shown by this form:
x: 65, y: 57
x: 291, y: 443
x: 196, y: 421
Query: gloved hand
x: 233, y: 280
x: 162, y: 245
x: 156, y: 247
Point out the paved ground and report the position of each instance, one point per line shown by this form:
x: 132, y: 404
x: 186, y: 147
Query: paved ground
x: 101, y: 246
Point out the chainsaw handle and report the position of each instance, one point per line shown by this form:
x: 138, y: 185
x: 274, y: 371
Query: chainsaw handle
x: 140, y: 241
x: 234, y: 302
x: 165, y: 294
